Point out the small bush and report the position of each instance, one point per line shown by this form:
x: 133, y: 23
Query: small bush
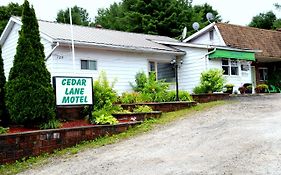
x: 104, y: 95
x: 103, y: 117
x: 143, y: 108
x: 3, y: 130
x: 140, y: 80
x: 183, y: 96
x: 210, y: 81
x: 51, y: 124
x: 130, y: 97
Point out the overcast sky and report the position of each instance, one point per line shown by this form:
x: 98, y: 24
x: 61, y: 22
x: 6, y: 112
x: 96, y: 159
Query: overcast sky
x: 235, y: 11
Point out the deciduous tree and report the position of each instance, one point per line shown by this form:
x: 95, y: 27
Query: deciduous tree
x: 79, y: 15
x: 12, y: 9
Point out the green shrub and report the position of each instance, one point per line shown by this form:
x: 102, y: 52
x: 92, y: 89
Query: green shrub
x: 51, y: 124
x: 3, y: 130
x: 104, y: 95
x: 143, y: 108
x: 129, y: 97
x: 140, y: 80
x: 29, y: 95
x: 185, y: 96
x: 210, y: 81
x: 103, y: 117
x: 199, y: 90
x: 3, y: 109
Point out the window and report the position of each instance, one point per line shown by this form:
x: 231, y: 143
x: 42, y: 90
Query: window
x: 230, y: 67
x: 263, y: 72
x: 164, y: 71
x: 245, y: 66
x: 225, y: 67
x: 234, y: 67
x: 88, y: 64
x: 211, y: 35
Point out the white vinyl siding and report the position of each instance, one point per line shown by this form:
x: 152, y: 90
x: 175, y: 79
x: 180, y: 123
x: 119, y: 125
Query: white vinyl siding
x: 237, y: 80
x: 194, y: 63
x: 207, y: 40
x: 120, y: 67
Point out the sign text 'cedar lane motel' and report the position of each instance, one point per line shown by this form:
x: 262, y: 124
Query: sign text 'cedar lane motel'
x: 73, y: 90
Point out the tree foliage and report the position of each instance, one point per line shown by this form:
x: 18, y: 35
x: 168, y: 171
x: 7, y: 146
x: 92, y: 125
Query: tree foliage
x: 29, y: 94
x: 266, y: 20
x: 12, y: 9
x: 79, y: 15
x: 161, y: 17
x: 3, y: 110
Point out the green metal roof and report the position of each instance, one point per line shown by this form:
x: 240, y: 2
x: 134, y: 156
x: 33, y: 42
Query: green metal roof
x: 240, y: 55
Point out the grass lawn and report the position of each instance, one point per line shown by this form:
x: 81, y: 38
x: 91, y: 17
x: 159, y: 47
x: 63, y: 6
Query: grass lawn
x: 146, y: 126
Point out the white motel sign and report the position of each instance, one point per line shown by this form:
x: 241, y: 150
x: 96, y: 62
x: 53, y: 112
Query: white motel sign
x: 73, y: 91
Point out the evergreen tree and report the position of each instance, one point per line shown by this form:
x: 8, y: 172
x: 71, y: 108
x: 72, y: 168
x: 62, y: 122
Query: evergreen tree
x: 29, y: 94
x: 3, y: 111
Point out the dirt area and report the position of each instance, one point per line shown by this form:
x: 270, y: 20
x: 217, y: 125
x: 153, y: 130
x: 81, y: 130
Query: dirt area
x: 237, y: 138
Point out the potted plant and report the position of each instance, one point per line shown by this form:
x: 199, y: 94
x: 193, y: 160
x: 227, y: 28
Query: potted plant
x: 261, y: 88
x: 249, y: 89
x: 229, y: 88
x: 242, y: 90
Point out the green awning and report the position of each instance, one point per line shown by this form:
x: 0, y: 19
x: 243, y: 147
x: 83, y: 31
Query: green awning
x: 240, y: 55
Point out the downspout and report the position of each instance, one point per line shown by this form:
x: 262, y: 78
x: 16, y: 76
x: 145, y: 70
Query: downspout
x: 52, y: 51
x: 206, y: 58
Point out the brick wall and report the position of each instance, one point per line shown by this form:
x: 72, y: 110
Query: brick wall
x: 205, y: 98
x: 16, y: 146
x: 164, y: 106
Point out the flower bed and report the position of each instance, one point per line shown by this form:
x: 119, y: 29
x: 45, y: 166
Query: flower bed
x: 25, y: 144
x: 205, y: 98
x: 140, y: 116
x: 162, y: 106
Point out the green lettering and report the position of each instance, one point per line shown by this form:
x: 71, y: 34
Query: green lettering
x: 68, y: 82
x: 73, y: 82
x: 83, y: 82
x: 66, y: 91
x: 86, y: 101
x: 72, y: 99
x: 65, y: 100
x: 63, y: 82
x: 82, y: 91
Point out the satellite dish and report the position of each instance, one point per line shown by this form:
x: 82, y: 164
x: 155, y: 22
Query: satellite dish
x: 209, y: 17
x: 195, y: 26
x: 184, y: 33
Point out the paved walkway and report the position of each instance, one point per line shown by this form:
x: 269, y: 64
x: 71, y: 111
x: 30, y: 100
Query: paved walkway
x: 240, y: 138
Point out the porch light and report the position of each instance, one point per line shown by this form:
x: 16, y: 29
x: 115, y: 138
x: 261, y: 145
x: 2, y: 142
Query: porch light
x: 176, y: 65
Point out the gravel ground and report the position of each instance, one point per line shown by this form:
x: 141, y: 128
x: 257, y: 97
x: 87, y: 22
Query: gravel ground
x: 237, y: 138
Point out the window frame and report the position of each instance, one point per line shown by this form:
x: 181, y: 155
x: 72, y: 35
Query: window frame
x: 265, y: 78
x: 89, y: 65
x: 230, y: 66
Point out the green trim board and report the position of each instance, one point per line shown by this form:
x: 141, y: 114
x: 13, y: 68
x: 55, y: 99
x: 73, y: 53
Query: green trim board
x: 240, y: 55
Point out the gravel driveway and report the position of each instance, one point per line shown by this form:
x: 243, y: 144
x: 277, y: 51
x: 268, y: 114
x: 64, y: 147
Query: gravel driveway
x: 237, y: 138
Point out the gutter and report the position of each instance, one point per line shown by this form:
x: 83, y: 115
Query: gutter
x: 52, y: 51
x: 122, y: 48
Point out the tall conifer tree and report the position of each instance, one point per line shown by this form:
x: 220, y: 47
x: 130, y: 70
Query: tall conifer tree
x: 3, y: 111
x: 29, y: 94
